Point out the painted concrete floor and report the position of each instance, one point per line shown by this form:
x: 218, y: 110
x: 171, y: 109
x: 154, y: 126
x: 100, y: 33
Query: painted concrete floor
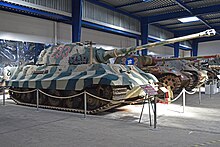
x: 199, y: 126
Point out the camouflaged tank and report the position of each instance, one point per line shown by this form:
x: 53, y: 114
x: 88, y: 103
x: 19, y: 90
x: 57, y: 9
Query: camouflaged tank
x: 169, y: 75
x: 67, y: 70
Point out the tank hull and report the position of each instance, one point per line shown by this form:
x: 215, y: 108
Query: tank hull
x: 108, y: 85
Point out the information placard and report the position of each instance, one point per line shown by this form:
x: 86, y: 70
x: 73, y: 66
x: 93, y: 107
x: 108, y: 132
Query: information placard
x: 149, y: 90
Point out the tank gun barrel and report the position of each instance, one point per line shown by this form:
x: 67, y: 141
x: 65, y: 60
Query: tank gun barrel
x: 116, y: 52
x: 188, y: 58
x: 207, y: 33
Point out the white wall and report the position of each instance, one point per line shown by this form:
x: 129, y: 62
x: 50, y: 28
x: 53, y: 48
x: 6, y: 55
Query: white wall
x: 106, y: 38
x: 209, y: 48
x: 25, y: 28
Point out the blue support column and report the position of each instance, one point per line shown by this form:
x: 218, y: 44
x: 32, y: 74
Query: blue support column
x: 144, y: 35
x: 194, y: 48
x: 176, y: 49
x: 76, y: 20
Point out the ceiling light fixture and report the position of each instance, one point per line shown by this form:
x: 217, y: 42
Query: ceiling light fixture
x: 188, y: 19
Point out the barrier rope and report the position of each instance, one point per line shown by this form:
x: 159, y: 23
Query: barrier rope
x: 173, y: 100
x: 98, y: 97
x: 188, y: 92
x: 61, y: 97
x: 22, y: 91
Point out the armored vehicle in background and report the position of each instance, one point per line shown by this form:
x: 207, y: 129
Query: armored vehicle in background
x: 171, y: 76
x: 198, y: 77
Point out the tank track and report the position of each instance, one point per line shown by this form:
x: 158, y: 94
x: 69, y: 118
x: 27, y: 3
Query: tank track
x: 101, y: 109
x: 93, y: 105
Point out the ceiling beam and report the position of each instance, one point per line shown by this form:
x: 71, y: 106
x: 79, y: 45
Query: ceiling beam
x: 196, y: 12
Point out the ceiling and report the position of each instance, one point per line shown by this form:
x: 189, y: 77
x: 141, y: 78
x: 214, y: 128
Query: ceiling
x: 164, y: 13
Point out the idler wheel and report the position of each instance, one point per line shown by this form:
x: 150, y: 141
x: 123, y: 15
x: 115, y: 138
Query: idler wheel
x: 54, y: 101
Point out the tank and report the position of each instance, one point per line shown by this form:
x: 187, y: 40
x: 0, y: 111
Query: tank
x: 174, y: 77
x: 66, y: 70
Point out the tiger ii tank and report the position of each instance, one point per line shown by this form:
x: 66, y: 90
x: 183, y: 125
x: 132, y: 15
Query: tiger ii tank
x: 66, y: 70
x: 167, y: 73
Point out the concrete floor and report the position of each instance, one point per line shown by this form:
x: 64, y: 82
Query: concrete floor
x: 199, y: 126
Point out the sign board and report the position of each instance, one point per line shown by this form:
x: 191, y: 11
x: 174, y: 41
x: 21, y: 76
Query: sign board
x: 130, y: 61
x: 149, y: 90
x: 218, y: 76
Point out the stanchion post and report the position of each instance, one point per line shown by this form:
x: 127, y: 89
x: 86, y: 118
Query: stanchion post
x: 85, y: 104
x: 149, y: 102
x: 210, y: 86
x: 142, y: 108
x: 200, y: 95
x: 184, y: 99
x: 37, y: 99
x: 3, y: 96
x: 155, y: 112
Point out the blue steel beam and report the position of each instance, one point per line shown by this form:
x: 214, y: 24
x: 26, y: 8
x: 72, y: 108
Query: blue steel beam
x: 96, y: 2
x: 185, y: 26
x: 196, y: 12
x: 29, y: 11
x: 76, y: 20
